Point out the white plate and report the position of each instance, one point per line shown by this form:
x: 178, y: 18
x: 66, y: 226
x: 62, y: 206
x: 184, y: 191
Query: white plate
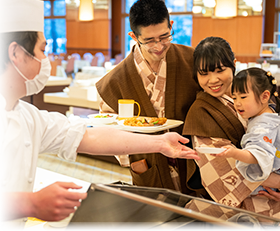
x: 117, y: 125
x: 168, y: 125
x: 210, y: 150
x: 108, y: 120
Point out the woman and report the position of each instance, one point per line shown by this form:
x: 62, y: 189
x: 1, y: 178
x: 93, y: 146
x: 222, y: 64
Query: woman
x: 213, y: 122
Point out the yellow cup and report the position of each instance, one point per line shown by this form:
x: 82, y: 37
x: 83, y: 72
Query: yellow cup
x: 126, y: 108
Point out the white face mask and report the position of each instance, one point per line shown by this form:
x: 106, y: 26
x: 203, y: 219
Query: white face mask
x: 34, y: 86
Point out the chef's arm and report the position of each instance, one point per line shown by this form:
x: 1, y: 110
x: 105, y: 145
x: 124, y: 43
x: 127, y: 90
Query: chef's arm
x: 110, y: 141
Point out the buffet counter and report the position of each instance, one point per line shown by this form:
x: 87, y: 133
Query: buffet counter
x: 54, y: 84
x: 62, y: 98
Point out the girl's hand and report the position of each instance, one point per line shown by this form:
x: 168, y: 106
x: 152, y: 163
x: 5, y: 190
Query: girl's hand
x: 229, y: 152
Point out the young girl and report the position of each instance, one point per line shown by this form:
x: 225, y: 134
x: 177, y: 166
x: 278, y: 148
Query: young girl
x: 252, y: 90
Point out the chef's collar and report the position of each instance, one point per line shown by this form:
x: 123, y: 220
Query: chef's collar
x: 3, y: 104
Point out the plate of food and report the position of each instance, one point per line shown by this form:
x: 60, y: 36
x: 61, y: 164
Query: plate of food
x: 209, y: 150
x: 143, y: 122
x: 149, y: 125
x: 102, y: 118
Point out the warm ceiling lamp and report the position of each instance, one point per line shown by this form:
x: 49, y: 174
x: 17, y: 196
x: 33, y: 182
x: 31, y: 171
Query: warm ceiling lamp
x: 86, y: 10
x: 209, y: 3
x: 226, y: 8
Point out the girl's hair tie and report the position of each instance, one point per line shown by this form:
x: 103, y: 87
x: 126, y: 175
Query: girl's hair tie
x: 272, y: 80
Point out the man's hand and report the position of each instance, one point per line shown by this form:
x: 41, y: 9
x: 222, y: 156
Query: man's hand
x: 173, y: 146
x: 56, y: 202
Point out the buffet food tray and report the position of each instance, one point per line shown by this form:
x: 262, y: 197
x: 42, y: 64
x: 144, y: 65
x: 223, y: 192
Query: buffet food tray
x: 168, y: 125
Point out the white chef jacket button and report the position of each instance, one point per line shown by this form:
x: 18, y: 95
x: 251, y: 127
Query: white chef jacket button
x: 4, y: 182
x: 30, y: 180
x: 27, y: 143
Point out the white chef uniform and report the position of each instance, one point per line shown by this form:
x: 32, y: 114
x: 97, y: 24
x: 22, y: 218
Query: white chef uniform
x: 25, y: 131
x: 29, y: 132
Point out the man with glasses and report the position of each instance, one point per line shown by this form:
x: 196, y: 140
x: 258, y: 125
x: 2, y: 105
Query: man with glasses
x: 158, y: 75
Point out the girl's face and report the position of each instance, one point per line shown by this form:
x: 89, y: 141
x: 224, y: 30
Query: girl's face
x: 216, y: 83
x: 246, y: 104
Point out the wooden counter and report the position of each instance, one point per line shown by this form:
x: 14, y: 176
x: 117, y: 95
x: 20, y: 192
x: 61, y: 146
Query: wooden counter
x: 54, y: 84
x: 62, y: 98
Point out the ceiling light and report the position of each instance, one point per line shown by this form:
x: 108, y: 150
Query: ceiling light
x: 197, y: 9
x: 257, y: 8
x: 226, y: 9
x: 209, y: 3
x: 86, y: 10
x: 244, y: 13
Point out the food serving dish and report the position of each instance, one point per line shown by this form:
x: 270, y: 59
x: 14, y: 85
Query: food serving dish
x: 102, y: 118
x: 121, y: 122
x: 209, y: 150
x: 168, y: 125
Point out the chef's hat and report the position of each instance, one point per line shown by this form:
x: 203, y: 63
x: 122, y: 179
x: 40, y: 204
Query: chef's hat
x: 21, y: 15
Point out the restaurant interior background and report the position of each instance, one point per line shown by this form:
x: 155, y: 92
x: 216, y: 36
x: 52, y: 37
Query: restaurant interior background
x: 246, y: 24
x: 102, y: 39
x: 87, y: 38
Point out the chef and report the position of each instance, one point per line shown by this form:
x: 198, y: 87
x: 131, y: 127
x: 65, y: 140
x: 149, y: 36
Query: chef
x: 26, y: 131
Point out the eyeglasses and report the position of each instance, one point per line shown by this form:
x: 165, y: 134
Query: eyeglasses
x: 163, y: 40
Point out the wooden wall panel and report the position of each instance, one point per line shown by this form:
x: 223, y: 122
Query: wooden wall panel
x: 270, y: 21
x: 95, y: 34
x: 116, y: 27
x: 243, y: 33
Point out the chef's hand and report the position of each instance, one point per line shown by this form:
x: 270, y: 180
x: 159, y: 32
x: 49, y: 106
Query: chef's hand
x: 270, y: 194
x: 56, y: 202
x: 173, y: 148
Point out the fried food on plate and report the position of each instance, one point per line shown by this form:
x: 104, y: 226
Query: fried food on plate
x: 145, y: 121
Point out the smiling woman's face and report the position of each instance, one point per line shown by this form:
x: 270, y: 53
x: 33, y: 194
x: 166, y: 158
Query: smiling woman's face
x: 216, y: 83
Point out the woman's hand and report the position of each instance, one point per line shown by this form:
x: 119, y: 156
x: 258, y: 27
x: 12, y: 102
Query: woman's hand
x: 270, y: 194
x: 173, y: 146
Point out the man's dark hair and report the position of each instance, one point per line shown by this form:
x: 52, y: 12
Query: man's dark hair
x: 145, y: 13
x: 27, y: 39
